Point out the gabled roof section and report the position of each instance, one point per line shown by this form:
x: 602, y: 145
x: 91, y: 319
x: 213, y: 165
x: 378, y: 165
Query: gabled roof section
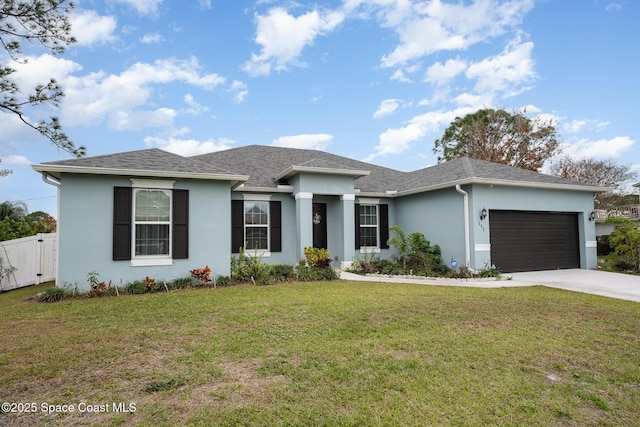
x: 267, y: 166
x: 320, y: 166
x: 152, y: 162
x: 466, y: 170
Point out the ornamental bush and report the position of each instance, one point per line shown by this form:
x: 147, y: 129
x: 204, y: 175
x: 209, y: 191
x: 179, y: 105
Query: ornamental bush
x: 247, y: 268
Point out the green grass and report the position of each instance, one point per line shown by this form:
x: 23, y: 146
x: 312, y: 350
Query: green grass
x: 325, y: 353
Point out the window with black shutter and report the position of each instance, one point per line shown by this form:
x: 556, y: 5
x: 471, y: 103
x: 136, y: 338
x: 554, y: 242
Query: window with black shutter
x: 150, y: 225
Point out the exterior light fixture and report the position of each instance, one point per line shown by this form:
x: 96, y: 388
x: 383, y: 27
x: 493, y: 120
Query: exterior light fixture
x: 592, y: 216
x: 483, y: 214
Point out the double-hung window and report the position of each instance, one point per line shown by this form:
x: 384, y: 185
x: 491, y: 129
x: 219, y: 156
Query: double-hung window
x: 152, y: 223
x: 371, y: 225
x: 256, y: 225
x: 368, y: 226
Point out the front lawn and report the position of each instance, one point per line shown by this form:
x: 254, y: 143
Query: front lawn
x: 322, y: 353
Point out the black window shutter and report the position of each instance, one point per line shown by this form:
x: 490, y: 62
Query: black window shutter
x: 276, y: 226
x: 357, y: 224
x: 384, y: 226
x: 180, y: 221
x: 237, y: 225
x: 122, y: 200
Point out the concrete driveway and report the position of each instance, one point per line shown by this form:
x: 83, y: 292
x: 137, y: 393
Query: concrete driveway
x: 614, y: 285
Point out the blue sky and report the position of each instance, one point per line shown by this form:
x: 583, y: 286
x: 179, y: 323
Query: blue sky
x: 373, y: 80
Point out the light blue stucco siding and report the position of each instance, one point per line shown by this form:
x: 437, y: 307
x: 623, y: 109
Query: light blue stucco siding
x: 496, y: 197
x: 86, y: 231
x: 439, y: 216
x: 337, y: 191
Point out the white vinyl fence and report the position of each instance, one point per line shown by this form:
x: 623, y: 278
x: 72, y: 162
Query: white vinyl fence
x: 28, y: 261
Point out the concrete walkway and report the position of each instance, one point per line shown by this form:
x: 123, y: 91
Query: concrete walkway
x: 613, y: 285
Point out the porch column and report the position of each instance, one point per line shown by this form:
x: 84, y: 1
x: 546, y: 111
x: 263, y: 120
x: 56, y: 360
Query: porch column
x: 304, y: 221
x: 348, y: 232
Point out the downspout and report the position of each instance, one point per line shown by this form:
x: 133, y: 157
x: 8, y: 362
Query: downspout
x: 467, y: 245
x: 48, y: 179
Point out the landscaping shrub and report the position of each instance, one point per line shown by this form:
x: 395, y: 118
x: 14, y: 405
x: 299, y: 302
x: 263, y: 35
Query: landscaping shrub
x: 223, y: 281
x: 247, y: 268
x: 137, y: 287
x: 415, y: 254
x: 315, y: 266
x: 53, y: 295
x: 366, y: 264
x: 281, y: 272
x: 317, y: 257
x: 181, y: 283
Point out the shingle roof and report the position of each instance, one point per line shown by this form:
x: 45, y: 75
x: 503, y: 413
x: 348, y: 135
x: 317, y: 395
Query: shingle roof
x: 466, y: 169
x: 151, y: 162
x: 260, y: 165
x: 263, y: 163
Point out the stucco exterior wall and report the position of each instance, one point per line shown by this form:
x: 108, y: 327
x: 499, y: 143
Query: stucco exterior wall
x: 439, y: 216
x: 86, y: 231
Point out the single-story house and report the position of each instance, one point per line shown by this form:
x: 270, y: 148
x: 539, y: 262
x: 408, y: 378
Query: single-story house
x: 153, y: 213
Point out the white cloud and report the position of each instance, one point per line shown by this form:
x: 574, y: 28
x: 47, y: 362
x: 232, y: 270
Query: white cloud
x: 143, y: 7
x: 387, y: 106
x: 89, y: 28
x: 435, y: 26
x: 614, y: 6
x: 602, y: 148
x: 282, y: 38
x: 188, y: 147
x: 195, y: 108
x: 116, y: 99
x: 399, y: 76
x: 441, y: 74
x: 239, y: 91
x: 151, y: 38
x: 398, y: 140
x: 39, y: 69
x: 316, y: 141
x: 574, y: 126
x: 508, y: 73
x: 16, y: 160
x: 136, y: 120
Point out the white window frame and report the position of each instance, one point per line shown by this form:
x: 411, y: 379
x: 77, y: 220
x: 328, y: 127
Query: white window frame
x: 151, y: 185
x: 257, y: 199
x: 370, y: 249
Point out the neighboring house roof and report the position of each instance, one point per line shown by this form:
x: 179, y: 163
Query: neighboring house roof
x: 152, y: 162
x: 269, y: 166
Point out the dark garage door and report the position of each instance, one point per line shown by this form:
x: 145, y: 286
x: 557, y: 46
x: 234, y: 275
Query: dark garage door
x: 529, y: 241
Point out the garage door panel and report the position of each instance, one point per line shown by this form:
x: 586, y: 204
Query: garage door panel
x: 528, y: 241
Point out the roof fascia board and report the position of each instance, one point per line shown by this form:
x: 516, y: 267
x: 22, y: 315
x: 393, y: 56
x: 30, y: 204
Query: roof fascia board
x: 50, y: 169
x: 506, y: 183
x: 295, y: 169
x: 280, y: 189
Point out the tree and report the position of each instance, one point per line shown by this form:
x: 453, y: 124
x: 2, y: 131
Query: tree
x: 501, y: 137
x: 42, y: 222
x: 604, y: 173
x: 13, y: 210
x: 625, y: 241
x: 45, y: 22
x: 15, y: 222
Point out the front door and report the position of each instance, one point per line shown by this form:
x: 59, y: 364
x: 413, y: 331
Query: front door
x: 320, y: 225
